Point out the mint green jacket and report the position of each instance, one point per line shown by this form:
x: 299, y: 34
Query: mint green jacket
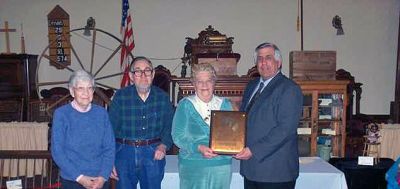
x: 189, y: 130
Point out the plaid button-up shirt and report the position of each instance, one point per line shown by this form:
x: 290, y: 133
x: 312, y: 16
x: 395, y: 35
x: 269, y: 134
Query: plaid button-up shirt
x: 135, y: 119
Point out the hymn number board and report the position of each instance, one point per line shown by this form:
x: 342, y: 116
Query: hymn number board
x: 59, y: 38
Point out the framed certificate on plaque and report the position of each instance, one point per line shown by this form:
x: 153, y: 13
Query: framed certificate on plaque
x: 228, y: 131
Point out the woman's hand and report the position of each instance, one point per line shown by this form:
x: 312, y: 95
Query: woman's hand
x: 98, y: 182
x: 206, y: 151
x: 86, y: 181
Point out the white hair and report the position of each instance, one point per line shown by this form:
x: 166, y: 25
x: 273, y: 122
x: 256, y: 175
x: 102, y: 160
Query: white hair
x: 80, y: 75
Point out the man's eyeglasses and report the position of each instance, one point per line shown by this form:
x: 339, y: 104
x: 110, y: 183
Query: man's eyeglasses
x: 84, y: 89
x: 139, y: 73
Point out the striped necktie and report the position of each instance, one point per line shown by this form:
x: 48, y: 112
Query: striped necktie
x: 255, y: 96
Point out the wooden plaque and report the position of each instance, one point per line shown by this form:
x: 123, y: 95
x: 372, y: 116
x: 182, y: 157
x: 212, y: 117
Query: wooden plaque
x: 59, y: 38
x: 228, y: 131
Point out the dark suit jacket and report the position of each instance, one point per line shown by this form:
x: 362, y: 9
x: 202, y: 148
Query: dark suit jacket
x: 272, y: 131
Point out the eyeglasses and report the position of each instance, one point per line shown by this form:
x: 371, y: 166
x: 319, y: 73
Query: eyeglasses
x: 267, y: 58
x: 84, y: 89
x: 139, y: 73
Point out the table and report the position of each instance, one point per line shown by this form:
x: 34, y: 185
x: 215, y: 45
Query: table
x: 314, y: 173
x: 363, y: 176
x: 390, y: 141
x: 23, y: 136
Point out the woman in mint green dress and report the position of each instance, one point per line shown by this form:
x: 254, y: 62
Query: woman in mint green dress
x: 199, y: 166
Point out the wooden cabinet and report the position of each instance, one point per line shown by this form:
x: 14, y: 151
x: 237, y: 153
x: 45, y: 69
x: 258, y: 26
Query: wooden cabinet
x: 323, y: 123
x: 17, y: 79
x: 17, y: 75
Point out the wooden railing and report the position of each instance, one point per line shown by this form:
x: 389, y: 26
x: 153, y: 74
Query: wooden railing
x: 35, y: 169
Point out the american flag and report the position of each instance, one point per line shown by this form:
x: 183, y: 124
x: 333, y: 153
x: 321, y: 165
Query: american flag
x: 127, y: 40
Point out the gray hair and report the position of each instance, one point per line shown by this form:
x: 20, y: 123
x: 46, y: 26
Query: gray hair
x: 277, y: 52
x: 196, y: 68
x: 80, y: 75
x: 138, y: 58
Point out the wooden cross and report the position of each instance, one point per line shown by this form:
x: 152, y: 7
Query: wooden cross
x: 6, y: 30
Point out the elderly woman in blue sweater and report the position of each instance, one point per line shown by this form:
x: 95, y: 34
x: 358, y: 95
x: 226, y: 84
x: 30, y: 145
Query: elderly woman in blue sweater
x: 199, y: 166
x: 82, y: 140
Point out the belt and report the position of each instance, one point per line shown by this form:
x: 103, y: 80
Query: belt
x: 137, y: 142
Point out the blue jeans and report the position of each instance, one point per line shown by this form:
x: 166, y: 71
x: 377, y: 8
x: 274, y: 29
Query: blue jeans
x: 137, y: 164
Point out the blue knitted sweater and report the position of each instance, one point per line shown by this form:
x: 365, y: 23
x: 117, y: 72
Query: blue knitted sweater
x: 82, y: 143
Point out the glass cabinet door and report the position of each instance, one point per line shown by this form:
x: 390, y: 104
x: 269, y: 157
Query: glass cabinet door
x: 329, y: 123
x: 304, y: 129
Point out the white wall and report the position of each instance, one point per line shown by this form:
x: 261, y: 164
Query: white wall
x: 368, y: 49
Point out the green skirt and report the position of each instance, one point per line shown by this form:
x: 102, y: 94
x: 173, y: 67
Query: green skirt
x: 205, y: 177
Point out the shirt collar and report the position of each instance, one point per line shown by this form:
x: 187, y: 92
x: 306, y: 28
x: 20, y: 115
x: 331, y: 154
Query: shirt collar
x: 268, y: 80
x: 79, y: 109
x: 204, y: 108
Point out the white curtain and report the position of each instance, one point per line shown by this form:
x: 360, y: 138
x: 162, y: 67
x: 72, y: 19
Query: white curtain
x: 23, y: 136
x: 390, y: 141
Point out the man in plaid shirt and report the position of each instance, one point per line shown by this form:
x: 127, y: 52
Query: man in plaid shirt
x: 141, y: 115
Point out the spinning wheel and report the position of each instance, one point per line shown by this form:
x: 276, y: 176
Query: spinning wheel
x: 103, y: 47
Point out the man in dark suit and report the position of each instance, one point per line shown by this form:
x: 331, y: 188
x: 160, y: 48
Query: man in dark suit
x: 273, y: 104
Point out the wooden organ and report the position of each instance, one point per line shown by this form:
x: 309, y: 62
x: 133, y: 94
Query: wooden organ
x: 215, y: 48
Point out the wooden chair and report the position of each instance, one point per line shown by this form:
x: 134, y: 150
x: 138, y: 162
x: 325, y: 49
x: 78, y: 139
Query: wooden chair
x: 162, y: 78
x: 253, y: 72
x: 42, y: 110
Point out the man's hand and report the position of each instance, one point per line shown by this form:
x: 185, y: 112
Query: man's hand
x: 114, y: 174
x: 245, y: 154
x: 86, y: 181
x: 206, y: 151
x: 160, y: 152
x: 98, y: 182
